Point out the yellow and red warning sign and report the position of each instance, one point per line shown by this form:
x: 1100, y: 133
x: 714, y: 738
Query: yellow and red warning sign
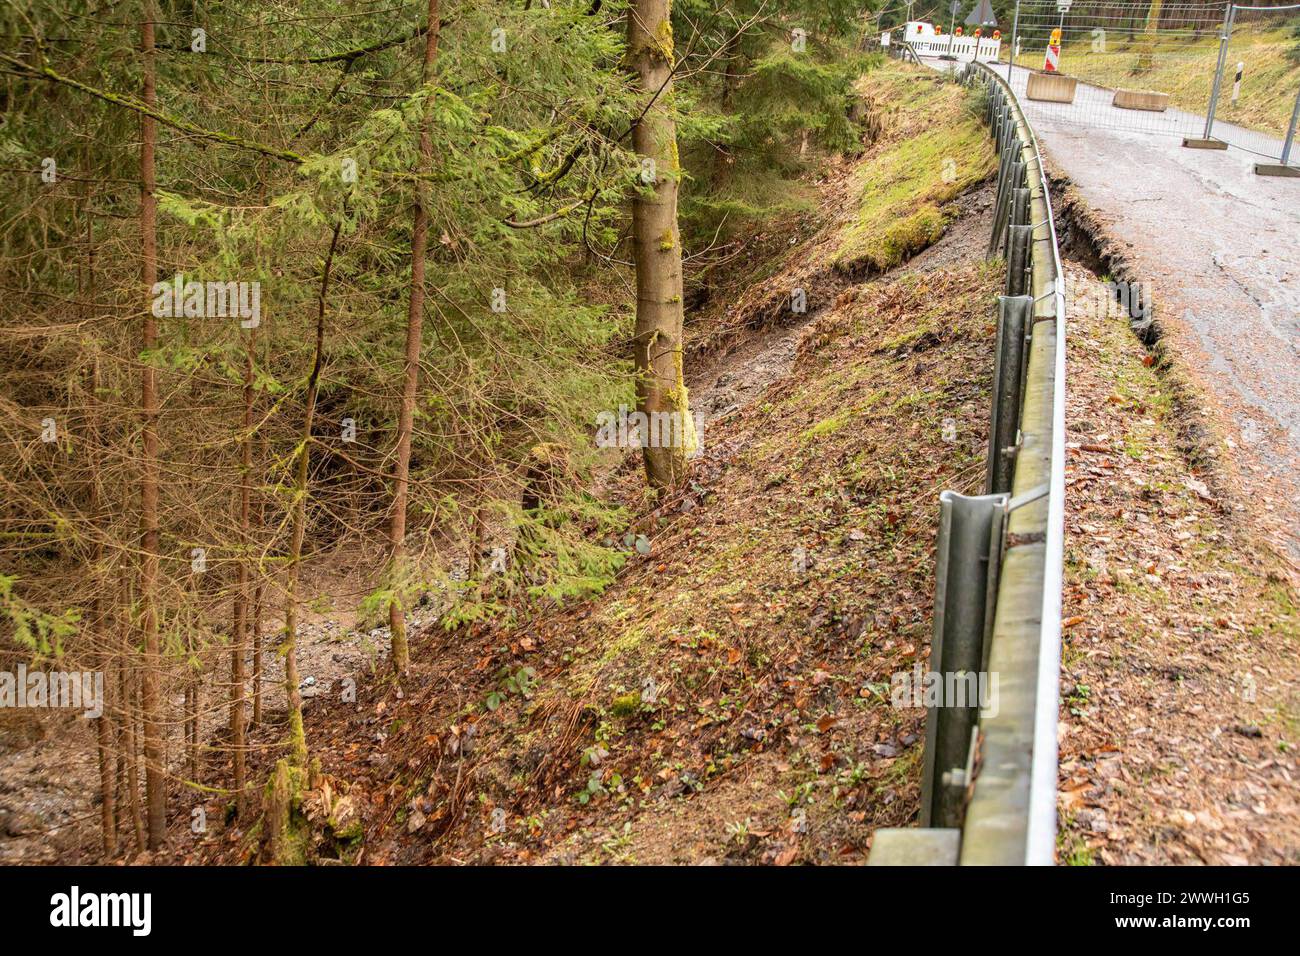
x: 1052, y: 63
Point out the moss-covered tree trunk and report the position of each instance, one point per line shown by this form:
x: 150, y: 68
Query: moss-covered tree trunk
x: 289, y: 645
x: 1147, y: 48
x: 400, y: 650
x: 658, y: 335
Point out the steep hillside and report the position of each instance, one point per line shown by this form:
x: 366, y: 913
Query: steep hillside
x: 726, y: 698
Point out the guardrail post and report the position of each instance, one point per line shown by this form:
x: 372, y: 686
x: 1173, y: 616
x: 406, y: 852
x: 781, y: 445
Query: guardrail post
x: 1019, y: 239
x: 1020, y: 206
x: 1010, y: 135
x: 1014, y: 318
x: 966, y: 571
x: 1019, y: 216
x: 1015, y: 175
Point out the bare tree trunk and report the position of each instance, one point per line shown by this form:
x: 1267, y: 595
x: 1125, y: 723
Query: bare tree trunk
x: 478, y: 540
x: 723, y: 157
x: 192, y: 723
x: 102, y: 632
x: 400, y: 650
x: 288, y: 649
x: 127, y: 697
x: 258, y: 650
x: 657, y: 349
x: 239, y: 642
x: 150, y: 697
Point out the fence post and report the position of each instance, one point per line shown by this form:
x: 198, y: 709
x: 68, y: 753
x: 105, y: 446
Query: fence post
x: 1011, y: 47
x: 1218, y: 72
x: 1017, y: 215
x: 1290, y: 131
x: 966, y: 570
x: 1284, y: 168
x: 1014, y: 317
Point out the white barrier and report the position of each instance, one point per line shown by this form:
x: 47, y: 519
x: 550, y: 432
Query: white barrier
x: 965, y: 49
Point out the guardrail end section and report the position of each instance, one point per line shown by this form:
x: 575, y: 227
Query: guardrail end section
x: 912, y: 846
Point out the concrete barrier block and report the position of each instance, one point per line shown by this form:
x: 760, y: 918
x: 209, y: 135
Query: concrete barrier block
x: 1051, y: 87
x: 915, y: 847
x: 1148, y: 100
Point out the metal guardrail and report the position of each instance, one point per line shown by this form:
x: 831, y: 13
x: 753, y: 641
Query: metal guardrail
x: 902, y: 49
x: 989, y: 787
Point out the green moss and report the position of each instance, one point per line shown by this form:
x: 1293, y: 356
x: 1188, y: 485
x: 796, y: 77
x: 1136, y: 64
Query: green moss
x: 288, y: 834
x: 905, y: 339
x: 664, y: 39
x: 906, y: 181
x: 825, y: 427
x: 625, y: 705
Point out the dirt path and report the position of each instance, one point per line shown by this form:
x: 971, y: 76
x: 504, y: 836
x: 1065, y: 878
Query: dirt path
x: 737, y: 378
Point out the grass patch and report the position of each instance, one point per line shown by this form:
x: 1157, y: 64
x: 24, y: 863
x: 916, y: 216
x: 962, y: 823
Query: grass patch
x: 928, y: 157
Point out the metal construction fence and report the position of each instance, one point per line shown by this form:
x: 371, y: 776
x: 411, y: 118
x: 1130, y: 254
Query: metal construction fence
x: 1109, y: 47
x: 1212, y: 73
x: 989, y: 779
x: 1252, y: 105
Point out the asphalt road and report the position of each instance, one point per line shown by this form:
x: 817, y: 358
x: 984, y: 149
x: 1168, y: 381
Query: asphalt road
x: 1221, y: 247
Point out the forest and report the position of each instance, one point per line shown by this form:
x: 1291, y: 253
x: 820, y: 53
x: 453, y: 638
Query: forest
x: 292, y: 281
